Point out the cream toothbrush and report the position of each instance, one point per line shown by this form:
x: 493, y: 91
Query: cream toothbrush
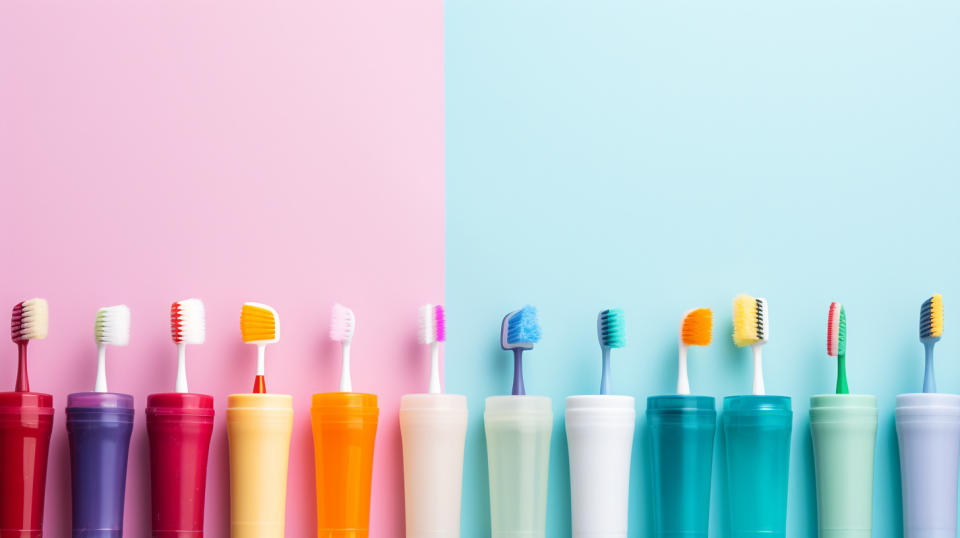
x: 752, y: 328
x: 187, y: 326
x: 112, y: 328
x: 695, y: 330
x: 30, y: 321
x: 342, y: 326
x: 611, y: 334
x: 259, y: 325
x: 433, y: 332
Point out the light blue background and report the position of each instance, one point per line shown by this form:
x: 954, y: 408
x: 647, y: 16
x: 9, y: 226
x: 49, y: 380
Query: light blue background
x: 660, y: 156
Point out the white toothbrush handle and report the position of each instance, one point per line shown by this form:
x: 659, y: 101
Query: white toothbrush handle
x: 758, y: 370
x: 345, y: 384
x: 101, y: 384
x: 261, y: 351
x: 683, y: 383
x: 181, y: 368
x: 435, y: 368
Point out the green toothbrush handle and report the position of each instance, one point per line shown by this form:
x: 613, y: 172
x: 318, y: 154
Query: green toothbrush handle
x: 842, y: 387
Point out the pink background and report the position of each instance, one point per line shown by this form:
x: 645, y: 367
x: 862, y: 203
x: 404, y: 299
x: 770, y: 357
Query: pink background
x: 283, y: 152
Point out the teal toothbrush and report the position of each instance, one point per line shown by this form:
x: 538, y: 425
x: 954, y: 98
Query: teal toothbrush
x: 931, y: 329
x: 611, y: 333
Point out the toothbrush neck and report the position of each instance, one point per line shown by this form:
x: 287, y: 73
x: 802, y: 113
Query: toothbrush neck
x: 345, y: 383
x: 435, y: 384
x: 758, y: 388
x: 605, y: 371
x: 23, y: 383
x: 101, y: 383
x: 518, y: 388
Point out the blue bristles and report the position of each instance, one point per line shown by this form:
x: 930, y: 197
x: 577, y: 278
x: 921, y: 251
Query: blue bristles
x: 523, y: 326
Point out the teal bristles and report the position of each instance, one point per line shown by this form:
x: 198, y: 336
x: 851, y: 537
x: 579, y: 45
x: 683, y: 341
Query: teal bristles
x: 611, y: 332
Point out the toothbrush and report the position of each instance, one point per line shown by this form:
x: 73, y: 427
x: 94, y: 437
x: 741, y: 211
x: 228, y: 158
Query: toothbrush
x: 696, y: 329
x: 610, y: 332
x: 30, y: 321
x: 931, y: 329
x: 342, y: 326
x: 259, y: 325
x: 752, y: 328
x: 433, y: 332
x: 187, y: 326
x: 837, y: 343
x: 519, y: 331
x: 112, y: 328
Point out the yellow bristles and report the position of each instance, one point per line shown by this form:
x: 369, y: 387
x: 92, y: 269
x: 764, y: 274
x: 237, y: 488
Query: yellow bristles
x: 745, y: 327
x: 258, y: 323
x: 697, y: 327
x: 936, y: 316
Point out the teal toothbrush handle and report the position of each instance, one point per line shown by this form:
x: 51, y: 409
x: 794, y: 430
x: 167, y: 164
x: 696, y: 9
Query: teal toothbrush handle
x: 518, y: 389
x: 842, y: 387
x: 605, y: 376
x: 929, y: 382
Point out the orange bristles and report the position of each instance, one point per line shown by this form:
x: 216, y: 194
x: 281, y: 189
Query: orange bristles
x: 258, y: 323
x: 697, y: 327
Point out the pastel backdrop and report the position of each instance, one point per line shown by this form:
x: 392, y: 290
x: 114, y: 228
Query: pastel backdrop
x: 660, y: 156
x: 285, y: 153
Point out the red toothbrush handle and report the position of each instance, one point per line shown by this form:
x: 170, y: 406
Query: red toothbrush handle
x: 259, y: 385
x: 23, y: 383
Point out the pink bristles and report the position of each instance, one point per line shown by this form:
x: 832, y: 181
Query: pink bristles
x: 440, y: 323
x: 16, y: 323
x: 833, y: 330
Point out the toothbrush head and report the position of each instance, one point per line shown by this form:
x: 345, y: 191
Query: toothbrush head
x: 342, y: 324
x: 520, y: 329
x: 112, y: 327
x: 697, y: 327
x: 187, y: 322
x: 931, y: 319
x: 836, y: 331
x: 750, y: 323
x: 30, y: 320
x: 259, y: 324
x: 611, y: 329
x: 432, y: 324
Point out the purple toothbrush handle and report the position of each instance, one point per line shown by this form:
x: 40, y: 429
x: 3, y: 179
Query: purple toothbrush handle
x: 99, y: 427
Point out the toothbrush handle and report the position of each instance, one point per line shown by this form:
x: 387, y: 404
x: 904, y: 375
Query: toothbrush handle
x: 345, y: 384
x: 605, y: 375
x: 518, y: 389
x: 181, y: 385
x: 101, y: 383
x: 929, y: 382
x: 435, y: 387
x: 23, y: 383
x: 683, y: 382
x: 842, y: 387
x: 758, y: 388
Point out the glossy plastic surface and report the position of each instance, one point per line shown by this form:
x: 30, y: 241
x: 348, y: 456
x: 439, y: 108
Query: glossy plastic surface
x: 599, y: 432
x: 682, y: 431
x: 928, y: 429
x: 757, y: 433
x: 344, y: 432
x: 99, y: 427
x: 258, y: 429
x: 179, y: 426
x: 26, y: 420
x: 518, y: 430
x: 844, y: 429
x: 433, y: 429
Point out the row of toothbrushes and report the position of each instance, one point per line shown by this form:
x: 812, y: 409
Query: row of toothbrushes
x: 599, y: 430
x: 180, y: 424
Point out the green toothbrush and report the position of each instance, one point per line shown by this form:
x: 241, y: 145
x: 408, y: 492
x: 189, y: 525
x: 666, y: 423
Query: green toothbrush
x: 837, y: 344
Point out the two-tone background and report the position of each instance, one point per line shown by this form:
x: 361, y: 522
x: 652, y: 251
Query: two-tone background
x: 575, y: 155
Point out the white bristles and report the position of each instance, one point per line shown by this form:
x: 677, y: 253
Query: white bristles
x: 113, y: 326
x: 188, y: 322
x: 35, y: 320
x: 428, y: 326
x: 342, y: 324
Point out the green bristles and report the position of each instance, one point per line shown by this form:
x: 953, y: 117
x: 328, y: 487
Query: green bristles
x: 842, y: 333
x: 612, y: 332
